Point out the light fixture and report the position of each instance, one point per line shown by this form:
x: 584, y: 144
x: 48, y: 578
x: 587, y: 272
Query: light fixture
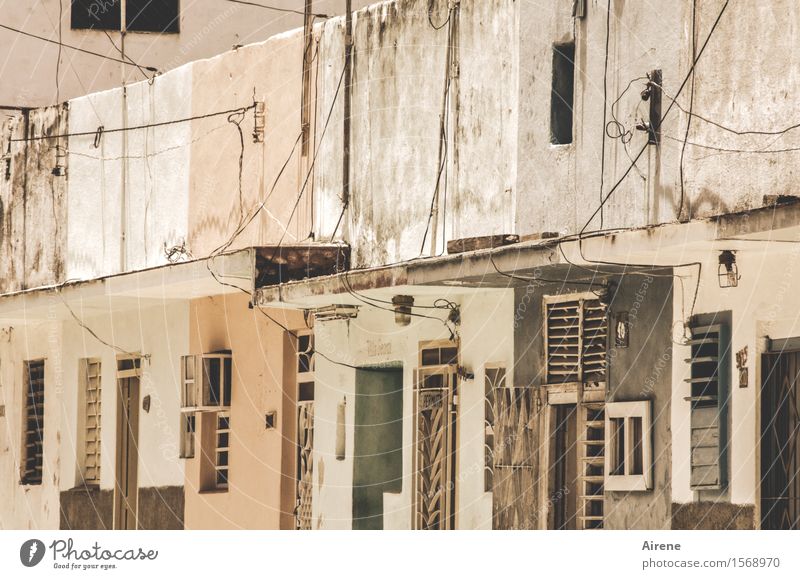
x: 727, y: 271
x: 402, y: 309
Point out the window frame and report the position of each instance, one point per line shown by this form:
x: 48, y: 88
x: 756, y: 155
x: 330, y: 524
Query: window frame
x: 86, y: 376
x: 35, y: 475
x: 627, y: 411
x: 118, y: 19
x: 195, y: 389
x: 580, y: 376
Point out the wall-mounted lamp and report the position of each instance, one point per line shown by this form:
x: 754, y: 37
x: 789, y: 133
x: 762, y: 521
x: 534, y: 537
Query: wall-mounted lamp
x: 402, y: 309
x: 727, y: 271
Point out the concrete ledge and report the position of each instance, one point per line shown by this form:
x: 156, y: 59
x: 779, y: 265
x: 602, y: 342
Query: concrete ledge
x: 712, y: 516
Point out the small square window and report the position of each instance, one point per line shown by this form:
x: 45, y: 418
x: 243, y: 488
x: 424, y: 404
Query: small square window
x: 628, y: 446
x: 95, y: 15
x: 152, y: 15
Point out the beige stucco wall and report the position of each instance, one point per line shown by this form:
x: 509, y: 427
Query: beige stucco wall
x: 253, y: 499
x: 207, y: 27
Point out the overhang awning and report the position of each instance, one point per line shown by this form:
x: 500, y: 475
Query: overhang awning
x: 565, y: 259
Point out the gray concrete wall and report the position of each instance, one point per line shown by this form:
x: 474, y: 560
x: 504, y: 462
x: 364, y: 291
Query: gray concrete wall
x: 642, y: 371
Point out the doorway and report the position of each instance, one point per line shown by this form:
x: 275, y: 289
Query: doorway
x: 780, y: 434
x: 126, y: 487
x: 377, y: 443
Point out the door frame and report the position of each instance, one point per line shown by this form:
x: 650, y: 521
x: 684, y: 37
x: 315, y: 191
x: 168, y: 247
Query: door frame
x: 127, y: 378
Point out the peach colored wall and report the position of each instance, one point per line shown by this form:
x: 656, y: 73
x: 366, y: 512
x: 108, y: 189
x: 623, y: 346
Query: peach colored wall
x: 253, y: 499
x: 270, y: 72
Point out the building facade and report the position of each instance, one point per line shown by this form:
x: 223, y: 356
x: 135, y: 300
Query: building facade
x: 437, y: 265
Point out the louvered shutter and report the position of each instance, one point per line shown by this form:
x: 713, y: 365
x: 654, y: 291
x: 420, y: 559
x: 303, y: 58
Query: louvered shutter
x: 33, y: 450
x: 708, y: 384
x: 576, y: 340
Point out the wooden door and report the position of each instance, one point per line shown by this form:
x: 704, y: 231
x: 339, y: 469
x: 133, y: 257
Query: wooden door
x: 514, y: 451
x: 126, y: 488
x: 780, y: 434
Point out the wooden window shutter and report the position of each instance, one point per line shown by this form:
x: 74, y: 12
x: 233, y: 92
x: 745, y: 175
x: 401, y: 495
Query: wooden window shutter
x: 93, y: 409
x: 709, y: 391
x: 33, y: 439
x: 576, y: 339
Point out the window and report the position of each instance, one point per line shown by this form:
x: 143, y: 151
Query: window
x: 562, y: 93
x: 708, y: 381
x: 206, y: 385
x: 494, y: 380
x: 152, y: 15
x: 188, y: 404
x: 576, y: 336
x: 628, y: 446
x: 96, y: 14
x: 89, y: 459
x: 140, y: 15
x: 221, y: 451
x: 33, y: 439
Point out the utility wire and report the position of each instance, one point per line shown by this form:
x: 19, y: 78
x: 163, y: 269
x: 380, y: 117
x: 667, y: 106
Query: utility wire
x: 63, y: 45
x: 276, y: 8
x: 102, y: 131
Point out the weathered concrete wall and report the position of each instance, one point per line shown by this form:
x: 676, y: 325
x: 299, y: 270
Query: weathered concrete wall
x: 373, y: 339
x: 133, y: 183
x: 33, y: 199
x: 755, y: 314
x: 253, y: 499
x: 159, y: 329
x: 270, y: 72
x: 207, y: 27
x: 398, y: 82
x: 643, y: 371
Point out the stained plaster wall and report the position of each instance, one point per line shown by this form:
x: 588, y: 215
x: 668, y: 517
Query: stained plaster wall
x: 756, y: 314
x: 398, y: 81
x: 373, y: 339
x: 32, y: 199
x: 254, y: 498
x: 207, y: 27
x: 157, y: 329
x: 643, y: 370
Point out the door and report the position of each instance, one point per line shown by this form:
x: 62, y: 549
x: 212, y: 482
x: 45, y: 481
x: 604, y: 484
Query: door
x: 435, y: 436
x: 377, y: 443
x: 780, y: 434
x: 126, y: 488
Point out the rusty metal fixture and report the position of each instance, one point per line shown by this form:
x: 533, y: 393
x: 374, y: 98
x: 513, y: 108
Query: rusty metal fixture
x: 727, y: 271
x: 402, y: 309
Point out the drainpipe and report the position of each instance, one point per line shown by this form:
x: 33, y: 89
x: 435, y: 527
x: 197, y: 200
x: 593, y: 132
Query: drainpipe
x: 308, y: 30
x: 348, y: 79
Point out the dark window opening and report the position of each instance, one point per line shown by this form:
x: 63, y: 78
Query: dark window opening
x: 140, y: 15
x: 562, y: 93
x: 33, y: 435
x: 95, y: 14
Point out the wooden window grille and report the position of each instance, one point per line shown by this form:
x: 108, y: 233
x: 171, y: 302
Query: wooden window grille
x: 494, y: 379
x: 33, y: 440
x: 709, y: 385
x: 576, y: 339
x: 206, y: 381
x: 93, y: 412
x: 222, y: 450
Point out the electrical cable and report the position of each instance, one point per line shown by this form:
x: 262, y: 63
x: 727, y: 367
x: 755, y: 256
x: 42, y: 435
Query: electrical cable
x: 63, y: 45
x: 134, y: 128
x: 276, y: 8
